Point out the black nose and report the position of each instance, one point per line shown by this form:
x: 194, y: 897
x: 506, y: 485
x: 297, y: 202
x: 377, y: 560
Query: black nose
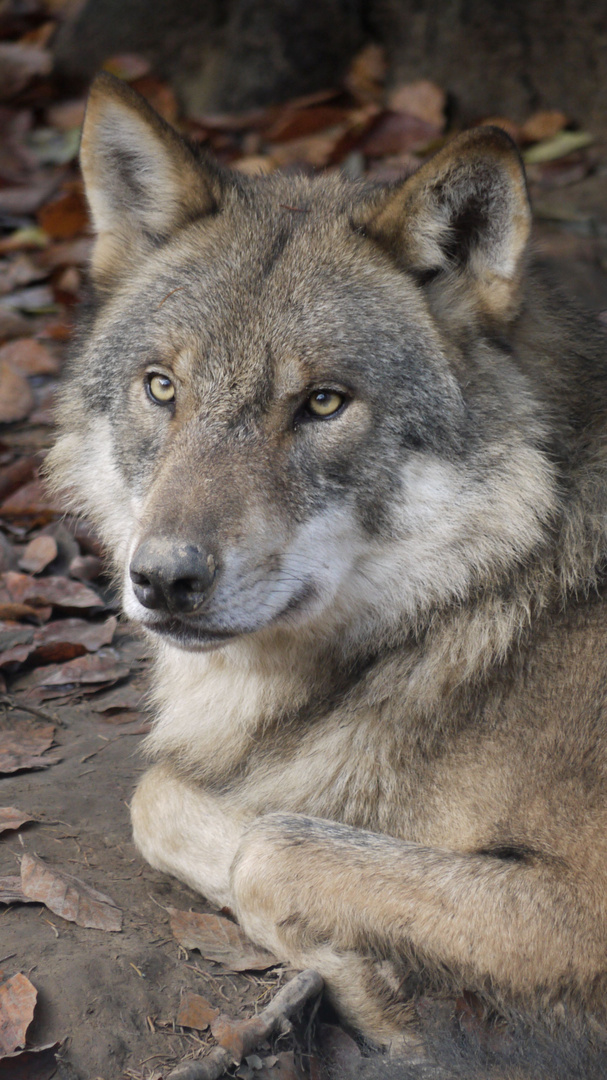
x: 170, y: 575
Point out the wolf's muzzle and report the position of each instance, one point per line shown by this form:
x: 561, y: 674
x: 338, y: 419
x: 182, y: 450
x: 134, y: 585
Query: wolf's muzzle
x: 173, y: 576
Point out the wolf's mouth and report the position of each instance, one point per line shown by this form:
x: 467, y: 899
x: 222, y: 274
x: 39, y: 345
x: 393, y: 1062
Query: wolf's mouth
x: 187, y: 636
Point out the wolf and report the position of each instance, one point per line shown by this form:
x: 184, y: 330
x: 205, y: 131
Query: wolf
x: 348, y: 455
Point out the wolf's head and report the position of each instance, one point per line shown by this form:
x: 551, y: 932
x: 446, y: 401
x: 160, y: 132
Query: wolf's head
x: 295, y: 404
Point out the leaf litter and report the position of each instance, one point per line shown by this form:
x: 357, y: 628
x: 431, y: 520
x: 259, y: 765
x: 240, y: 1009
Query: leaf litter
x: 220, y: 940
x: 67, y: 896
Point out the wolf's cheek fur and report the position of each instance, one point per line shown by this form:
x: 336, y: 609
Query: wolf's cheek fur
x: 85, y: 470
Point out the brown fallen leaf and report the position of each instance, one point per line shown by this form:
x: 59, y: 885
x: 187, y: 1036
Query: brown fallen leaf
x: 220, y: 940
x: 16, y: 398
x: 52, y: 680
x: 30, y: 505
x: 16, y: 474
x: 11, y: 818
x: 29, y: 357
x: 61, y: 592
x: 543, y: 125
x: 127, y: 697
x: 196, y: 1012
x: 23, y: 745
x: 395, y: 132
x: 297, y: 123
x: 67, y: 216
x: 55, y: 643
x: 68, y: 897
x: 40, y: 551
x: 17, y: 1004
x: 11, y: 635
x: 423, y: 99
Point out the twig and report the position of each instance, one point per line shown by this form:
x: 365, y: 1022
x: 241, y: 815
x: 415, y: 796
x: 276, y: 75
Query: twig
x: 42, y: 714
x: 237, y: 1038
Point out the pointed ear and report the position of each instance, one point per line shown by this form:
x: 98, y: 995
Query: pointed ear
x: 465, y: 214
x: 142, y: 180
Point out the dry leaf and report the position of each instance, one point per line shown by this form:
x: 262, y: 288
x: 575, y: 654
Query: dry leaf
x: 423, y: 99
x: 53, y: 680
x: 40, y: 551
x: 297, y: 123
x: 16, y: 398
x: 395, y: 132
x: 543, y: 125
x: 11, y: 818
x: 17, y: 1004
x: 23, y: 744
x: 56, y: 643
x: 16, y: 474
x: 123, y: 697
x: 196, y: 1012
x: 31, y: 505
x: 61, y: 592
x: 220, y: 940
x: 66, y: 216
x: 11, y: 891
x: 67, y: 896
x: 29, y: 357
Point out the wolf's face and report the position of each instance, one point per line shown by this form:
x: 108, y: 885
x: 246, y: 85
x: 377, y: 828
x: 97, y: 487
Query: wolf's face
x: 287, y: 411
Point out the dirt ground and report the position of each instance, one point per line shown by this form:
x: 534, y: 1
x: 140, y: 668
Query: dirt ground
x: 108, y: 1001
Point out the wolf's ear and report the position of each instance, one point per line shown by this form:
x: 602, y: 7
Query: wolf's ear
x: 142, y: 180
x: 466, y: 214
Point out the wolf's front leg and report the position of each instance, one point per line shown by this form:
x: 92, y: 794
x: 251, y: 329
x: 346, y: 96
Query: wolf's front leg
x: 183, y: 831
x: 329, y: 896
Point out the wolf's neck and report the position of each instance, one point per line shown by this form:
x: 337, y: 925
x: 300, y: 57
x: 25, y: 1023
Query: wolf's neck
x: 216, y: 710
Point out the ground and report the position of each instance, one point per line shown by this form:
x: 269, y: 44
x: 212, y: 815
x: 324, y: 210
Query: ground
x: 72, y: 714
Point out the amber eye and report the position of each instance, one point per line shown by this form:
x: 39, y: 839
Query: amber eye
x: 324, y: 403
x: 160, y: 388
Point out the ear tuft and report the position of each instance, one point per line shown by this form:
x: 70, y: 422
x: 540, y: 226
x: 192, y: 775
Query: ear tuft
x: 142, y: 180
x: 465, y: 212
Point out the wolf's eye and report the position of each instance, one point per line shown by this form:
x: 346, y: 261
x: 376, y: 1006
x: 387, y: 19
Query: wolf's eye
x: 160, y: 388
x: 323, y: 403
